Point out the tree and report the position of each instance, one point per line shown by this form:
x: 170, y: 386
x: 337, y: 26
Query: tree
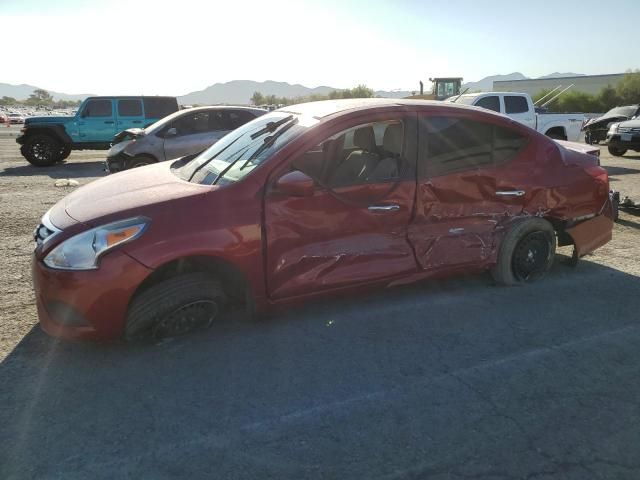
x: 39, y: 97
x: 8, y: 101
x: 629, y: 88
x: 257, y: 98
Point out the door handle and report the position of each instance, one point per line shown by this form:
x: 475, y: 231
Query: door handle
x: 510, y: 193
x: 384, y: 208
x: 108, y: 121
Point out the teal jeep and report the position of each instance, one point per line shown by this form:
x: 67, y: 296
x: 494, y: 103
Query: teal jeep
x: 47, y: 140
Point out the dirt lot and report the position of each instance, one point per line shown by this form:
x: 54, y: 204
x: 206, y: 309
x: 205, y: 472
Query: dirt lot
x: 441, y: 380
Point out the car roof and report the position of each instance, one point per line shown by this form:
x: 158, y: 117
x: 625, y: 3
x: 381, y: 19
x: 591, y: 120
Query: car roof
x: 326, y: 108
x: 223, y: 107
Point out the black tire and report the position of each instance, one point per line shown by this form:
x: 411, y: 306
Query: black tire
x: 141, y: 161
x: 556, y: 136
x: 617, y: 152
x: 526, y: 253
x: 175, y: 306
x: 42, y: 150
x: 65, y: 151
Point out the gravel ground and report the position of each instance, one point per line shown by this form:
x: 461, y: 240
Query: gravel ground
x: 440, y: 380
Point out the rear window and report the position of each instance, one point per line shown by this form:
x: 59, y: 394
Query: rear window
x: 455, y: 144
x: 159, y: 107
x: 129, y: 108
x: 515, y: 104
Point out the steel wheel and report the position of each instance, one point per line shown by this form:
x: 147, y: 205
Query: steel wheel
x: 531, y: 256
x: 187, y: 318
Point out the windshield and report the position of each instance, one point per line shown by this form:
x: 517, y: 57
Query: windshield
x: 238, y: 153
x: 628, y: 111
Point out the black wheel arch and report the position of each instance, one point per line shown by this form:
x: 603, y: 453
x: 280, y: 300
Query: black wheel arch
x: 56, y: 131
x: 234, y: 282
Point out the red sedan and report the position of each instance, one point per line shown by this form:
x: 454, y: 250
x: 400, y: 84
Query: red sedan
x: 314, y: 199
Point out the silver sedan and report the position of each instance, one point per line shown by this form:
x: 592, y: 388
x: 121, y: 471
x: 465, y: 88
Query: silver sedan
x: 182, y: 133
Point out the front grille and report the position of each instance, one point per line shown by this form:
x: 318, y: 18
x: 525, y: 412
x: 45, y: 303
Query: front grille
x: 629, y: 129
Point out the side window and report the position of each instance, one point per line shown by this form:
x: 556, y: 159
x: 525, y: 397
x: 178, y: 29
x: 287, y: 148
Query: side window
x: 490, y: 103
x: 192, y: 123
x: 456, y: 144
x: 369, y: 153
x: 217, y: 121
x: 97, y: 108
x: 129, y: 108
x: 515, y: 104
x: 159, y: 107
x: 506, y: 145
x: 237, y: 118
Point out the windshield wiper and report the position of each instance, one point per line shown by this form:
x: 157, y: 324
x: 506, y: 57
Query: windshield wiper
x: 270, y: 127
x: 216, y: 155
x: 270, y: 140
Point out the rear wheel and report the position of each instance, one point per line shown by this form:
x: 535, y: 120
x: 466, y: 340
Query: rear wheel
x: 526, y: 253
x: 42, y: 150
x: 141, y: 161
x: 174, y: 307
x: 617, y: 152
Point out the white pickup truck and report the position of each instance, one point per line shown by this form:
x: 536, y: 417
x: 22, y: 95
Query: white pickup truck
x: 519, y: 106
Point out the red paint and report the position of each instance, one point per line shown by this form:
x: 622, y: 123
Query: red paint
x: 294, y: 242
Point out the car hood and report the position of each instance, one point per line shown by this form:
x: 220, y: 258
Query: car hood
x: 32, y: 120
x: 129, y: 192
x: 630, y: 123
x: 594, y: 122
x: 128, y: 134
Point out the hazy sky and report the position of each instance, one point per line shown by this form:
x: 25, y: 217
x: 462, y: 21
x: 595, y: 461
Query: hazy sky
x: 175, y: 47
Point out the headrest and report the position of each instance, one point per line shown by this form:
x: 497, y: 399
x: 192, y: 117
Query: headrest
x: 365, y: 139
x: 392, y: 140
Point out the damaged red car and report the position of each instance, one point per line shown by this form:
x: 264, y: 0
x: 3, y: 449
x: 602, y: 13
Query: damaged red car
x: 314, y: 199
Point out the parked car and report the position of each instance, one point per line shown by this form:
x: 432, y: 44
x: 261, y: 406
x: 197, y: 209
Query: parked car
x: 47, y: 140
x: 595, y: 130
x: 4, y: 119
x: 519, y: 106
x: 182, y: 133
x: 324, y: 198
x: 624, y: 136
x: 15, y: 118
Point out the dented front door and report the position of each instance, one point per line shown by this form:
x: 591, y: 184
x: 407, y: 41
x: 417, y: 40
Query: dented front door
x: 340, y: 236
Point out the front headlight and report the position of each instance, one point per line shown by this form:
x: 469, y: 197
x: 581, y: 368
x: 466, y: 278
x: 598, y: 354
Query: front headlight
x: 613, y: 128
x: 82, y: 251
x: 118, y: 148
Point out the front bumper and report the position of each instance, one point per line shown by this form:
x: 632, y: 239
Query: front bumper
x: 117, y: 163
x: 87, y: 305
x: 616, y: 141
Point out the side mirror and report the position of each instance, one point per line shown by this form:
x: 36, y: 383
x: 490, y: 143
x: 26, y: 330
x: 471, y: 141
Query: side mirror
x: 295, y: 184
x: 171, y: 132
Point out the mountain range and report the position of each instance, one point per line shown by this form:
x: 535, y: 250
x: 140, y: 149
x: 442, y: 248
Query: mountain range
x: 240, y: 91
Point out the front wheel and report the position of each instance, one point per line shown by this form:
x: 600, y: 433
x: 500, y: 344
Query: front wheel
x: 617, y: 152
x: 175, y: 306
x: 526, y: 253
x: 42, y: 150
x: 65, y: 151
x: 139, y: 161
